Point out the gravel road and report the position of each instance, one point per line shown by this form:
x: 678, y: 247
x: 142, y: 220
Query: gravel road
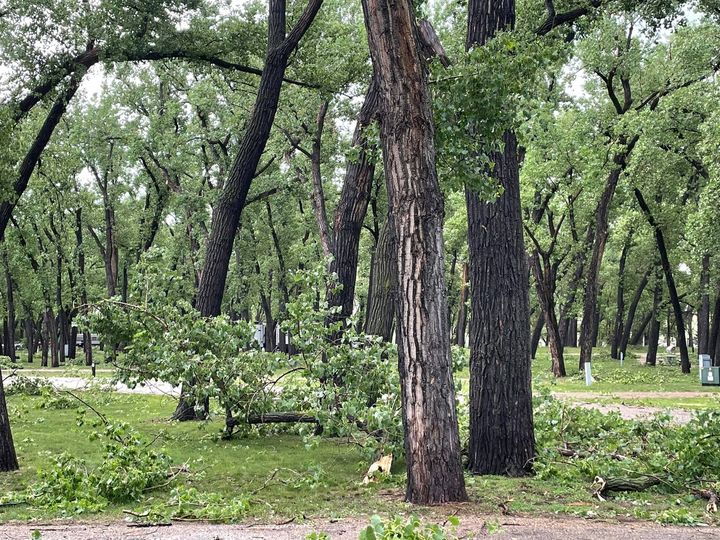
x: 511, y: 527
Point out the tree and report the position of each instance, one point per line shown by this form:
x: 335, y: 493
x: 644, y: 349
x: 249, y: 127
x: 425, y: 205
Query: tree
x: 432, y: 443
x: 502, y: 439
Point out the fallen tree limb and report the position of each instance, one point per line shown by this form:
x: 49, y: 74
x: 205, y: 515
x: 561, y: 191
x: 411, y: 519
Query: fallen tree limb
x: 710, y: 496
x: 601, y: 486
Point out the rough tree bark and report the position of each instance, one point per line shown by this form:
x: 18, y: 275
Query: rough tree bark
x: 380, y: 314
x: 351, y: 209
x: 227, y: 211
x: 501, y: 423
x: 432, y: 442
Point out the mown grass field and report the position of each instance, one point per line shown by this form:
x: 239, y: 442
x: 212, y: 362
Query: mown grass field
x: 284, y: 479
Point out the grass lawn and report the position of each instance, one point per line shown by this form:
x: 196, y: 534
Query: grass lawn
x: 610, y: 377
x: 323, y: 480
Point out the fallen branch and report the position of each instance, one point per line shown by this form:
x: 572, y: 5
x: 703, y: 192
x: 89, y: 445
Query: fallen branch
x: 710, y: 496
x: 601, y: 486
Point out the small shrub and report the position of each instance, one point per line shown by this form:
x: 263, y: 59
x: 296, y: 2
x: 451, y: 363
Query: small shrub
x: 411, y: 529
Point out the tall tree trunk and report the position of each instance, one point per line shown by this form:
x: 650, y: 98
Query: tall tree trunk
x: 60, y: 320
x: 87, y: 337
x: 318, y: 192
x: 654, y: 335
x: 619, y: 325
x: 227, y: 211
x: 52, y: 341
x: 8, y: 458
x: 10, y: 301
x: 631, y: 312
x: 544, y: 273
x: 637, y: 337
x: 380, y: 315
x: 461, y: 326
x: 715, y: 331
x: 536, y: 333
x: 704, y: 311
x: 600, y: 227
x: 37, y: 147
x: 30, y: 338
x: 432, y: 441
x: 502, y: 439
x: 672, y: 290
x: 351, y: 210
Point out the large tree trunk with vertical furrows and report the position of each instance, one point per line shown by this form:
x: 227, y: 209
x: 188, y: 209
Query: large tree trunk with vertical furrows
x: 502, y: 437
x: 227, y: 211
x: 432, y: 441
x: 380, y: 315
x: 351, y: 209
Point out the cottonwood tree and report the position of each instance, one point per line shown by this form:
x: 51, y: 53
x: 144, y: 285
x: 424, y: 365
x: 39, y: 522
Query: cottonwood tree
x: 432, y: 443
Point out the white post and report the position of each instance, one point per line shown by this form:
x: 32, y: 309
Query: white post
x: 622, y: 357
x: 588, y: 374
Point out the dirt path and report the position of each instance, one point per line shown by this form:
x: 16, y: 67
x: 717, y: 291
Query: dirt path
x: 637, y: 395
x: 151, y: 387
x: 470, y: 527
x: 634, y: 412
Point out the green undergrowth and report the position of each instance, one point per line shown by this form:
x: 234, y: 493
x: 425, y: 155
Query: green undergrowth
x: 280, y: 476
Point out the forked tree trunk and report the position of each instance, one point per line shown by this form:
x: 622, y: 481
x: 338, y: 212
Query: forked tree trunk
x: 672, y: 290
x: 602, y: 216
x: 502, y: 439
x: 227, y: 211
x: 432, y: 441
x: 545, y: 284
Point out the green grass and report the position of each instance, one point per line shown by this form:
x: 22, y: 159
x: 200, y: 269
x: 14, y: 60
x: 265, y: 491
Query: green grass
x: 611, y: 377
x: 321, y: 481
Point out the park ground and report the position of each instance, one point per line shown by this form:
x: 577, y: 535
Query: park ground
x: 295, y: 487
